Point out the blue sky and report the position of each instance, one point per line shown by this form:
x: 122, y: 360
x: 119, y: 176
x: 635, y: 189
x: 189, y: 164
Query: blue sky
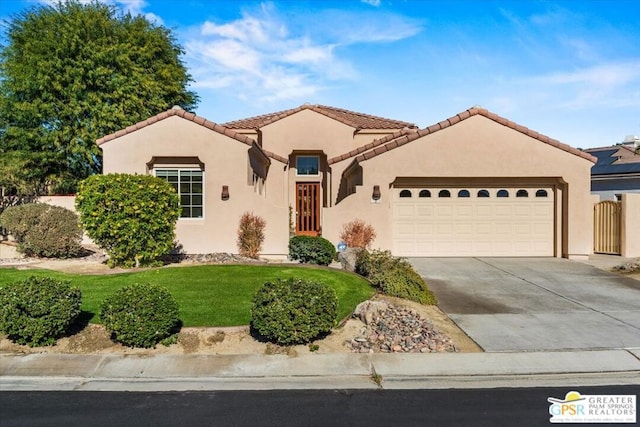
x: 567, y: 69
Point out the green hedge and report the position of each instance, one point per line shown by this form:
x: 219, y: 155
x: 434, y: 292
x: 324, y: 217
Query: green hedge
x: 140, y: 315
x: 393, y: 276
x: 38, y: 310
x: 311, y: 249
x: 44, y: 231
x: 293, y: 311
x: 132, y: 217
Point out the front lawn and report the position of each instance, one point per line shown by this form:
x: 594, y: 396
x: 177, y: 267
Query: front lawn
x: 208, y: 295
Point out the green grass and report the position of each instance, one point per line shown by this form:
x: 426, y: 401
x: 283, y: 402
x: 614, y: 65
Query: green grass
x: 208, y: 295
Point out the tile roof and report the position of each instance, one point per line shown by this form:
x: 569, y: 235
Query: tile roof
x: 405, y: 136
x: 177, y: 111
x: 350, y: 118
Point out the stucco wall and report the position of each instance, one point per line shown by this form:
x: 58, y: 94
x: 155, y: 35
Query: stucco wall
x: 476, y: 147
x: 307, y: 130
x: 225, y: 163
x: 630, y: 217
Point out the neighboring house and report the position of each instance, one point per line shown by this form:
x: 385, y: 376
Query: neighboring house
x: 617, y: 170
x: 475, y: 184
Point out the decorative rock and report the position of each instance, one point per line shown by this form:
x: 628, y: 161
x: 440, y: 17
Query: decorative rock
x: 369, y: 311
x: 348, y: 258
x: 391, y: 328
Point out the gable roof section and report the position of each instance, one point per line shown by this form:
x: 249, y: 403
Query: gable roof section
x: 177, y: 111
x: 405, y: 136
x: 356, y: 120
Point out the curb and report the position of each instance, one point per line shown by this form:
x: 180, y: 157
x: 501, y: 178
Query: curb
x: 345, y: 371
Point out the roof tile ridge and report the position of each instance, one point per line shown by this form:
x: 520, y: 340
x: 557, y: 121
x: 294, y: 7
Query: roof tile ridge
x: 182, y: 114
x: 531, y: 133
x: 264, y: 119
x: 365, y: 115
x: 320, y: 109
x: 373, y: 144
x: 274, y: 155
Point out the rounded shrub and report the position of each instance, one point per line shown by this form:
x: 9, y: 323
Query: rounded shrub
x: 132, y: 217
x: 18, y: 220
x: 140, y: 315
x: 293, y: 311
x: 44, y: 231
x: 311, y: 249
x: 38, y: 310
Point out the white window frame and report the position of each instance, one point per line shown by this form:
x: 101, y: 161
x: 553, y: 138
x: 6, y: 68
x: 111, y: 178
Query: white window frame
x: 179, y: 170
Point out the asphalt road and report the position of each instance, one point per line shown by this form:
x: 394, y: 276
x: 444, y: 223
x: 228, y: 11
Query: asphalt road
x: 471, y: 407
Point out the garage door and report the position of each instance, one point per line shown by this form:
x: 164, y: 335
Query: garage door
x: 473, y: 221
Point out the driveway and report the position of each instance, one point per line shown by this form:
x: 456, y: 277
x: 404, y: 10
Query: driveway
x: 529, y: 304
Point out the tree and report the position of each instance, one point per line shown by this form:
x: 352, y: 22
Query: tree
x: 132, y: 217
x: 71, y: 73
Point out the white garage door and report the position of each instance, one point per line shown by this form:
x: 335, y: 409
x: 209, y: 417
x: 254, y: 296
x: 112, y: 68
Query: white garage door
x: 473, y: 221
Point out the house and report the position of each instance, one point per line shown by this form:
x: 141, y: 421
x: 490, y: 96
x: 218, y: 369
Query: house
x: 617, y: 169
x: 475, y: 184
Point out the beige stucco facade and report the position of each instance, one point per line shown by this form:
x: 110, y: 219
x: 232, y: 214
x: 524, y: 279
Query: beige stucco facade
x: 256, y: 160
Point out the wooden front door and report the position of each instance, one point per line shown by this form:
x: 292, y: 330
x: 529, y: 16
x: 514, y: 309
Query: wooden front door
x: 308, y: 208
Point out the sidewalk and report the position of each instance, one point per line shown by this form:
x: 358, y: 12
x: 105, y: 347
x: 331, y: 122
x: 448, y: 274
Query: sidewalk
x: 335, y: 371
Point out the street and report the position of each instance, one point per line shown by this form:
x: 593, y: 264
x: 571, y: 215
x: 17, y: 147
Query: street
x: 469, y: 407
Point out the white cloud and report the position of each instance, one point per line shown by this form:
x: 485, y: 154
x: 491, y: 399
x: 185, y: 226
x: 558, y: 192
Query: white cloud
x: 613, y: 85
x: 265, y: 57
x: 374, y: 3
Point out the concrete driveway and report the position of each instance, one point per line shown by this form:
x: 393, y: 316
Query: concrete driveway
x: 529, y: 304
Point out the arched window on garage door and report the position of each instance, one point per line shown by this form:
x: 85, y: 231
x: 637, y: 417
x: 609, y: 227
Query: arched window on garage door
x: 522, y: 193
x: 541, y: 193
x: 444, y: 193
x: 483, y: 193
x: 464, y: 193
x: 405, y: 193
x: 424, y: 193
x: 503, y: 193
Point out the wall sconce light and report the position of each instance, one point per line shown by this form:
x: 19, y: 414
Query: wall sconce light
x: 376, y: 193
x: 225, y: 192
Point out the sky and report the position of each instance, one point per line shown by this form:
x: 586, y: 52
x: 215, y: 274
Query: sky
x: 566, y: 69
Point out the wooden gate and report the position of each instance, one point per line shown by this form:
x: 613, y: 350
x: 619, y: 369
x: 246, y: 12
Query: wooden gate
x: 606, y: 222
x: 307, y: 208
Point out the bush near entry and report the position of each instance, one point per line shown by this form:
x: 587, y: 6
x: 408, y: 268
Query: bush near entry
x: 250, y: 235
x: 43, y: 230
x: 140, y: 315
x: 132, y: 217
x: 358, y: 234
x: 393, y: 276
x: 38, y: 310
x: 293, y: 311
x: 311, y: 249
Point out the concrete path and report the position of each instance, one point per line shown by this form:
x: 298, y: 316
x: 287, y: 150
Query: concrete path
x: 534, y: 304
x: 45, y: 372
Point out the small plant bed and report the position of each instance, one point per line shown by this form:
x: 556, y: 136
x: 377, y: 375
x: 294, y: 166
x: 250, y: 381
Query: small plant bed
x: 628, y: 268
x: 392, y: 328
x: 208, y: 295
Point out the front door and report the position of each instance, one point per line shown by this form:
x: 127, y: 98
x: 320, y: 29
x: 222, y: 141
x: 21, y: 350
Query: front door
x: 308, y: 208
